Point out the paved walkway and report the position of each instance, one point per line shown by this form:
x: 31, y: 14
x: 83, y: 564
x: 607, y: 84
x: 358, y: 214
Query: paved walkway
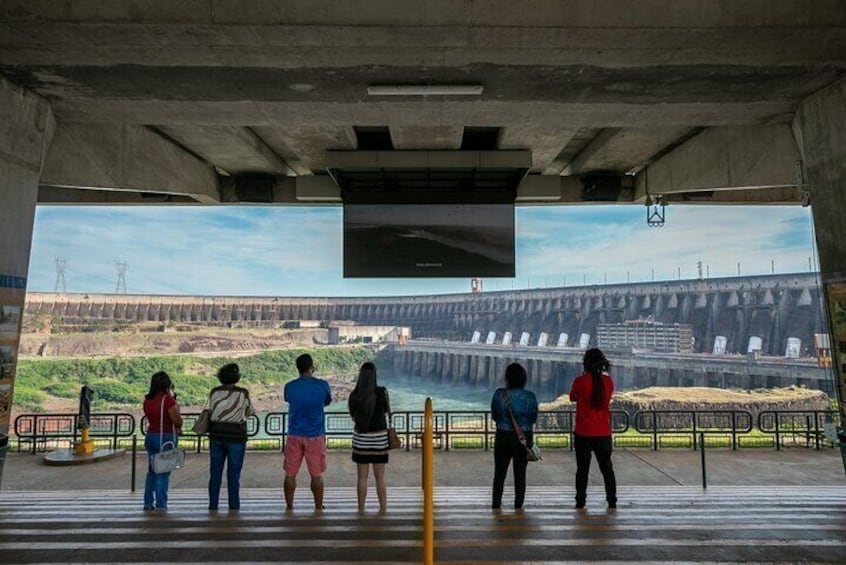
x: 795, y: 466
x: 652, y: 524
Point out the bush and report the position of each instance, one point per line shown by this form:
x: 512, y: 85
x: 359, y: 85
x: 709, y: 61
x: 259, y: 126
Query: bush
x: 123, y: 382
x: 29, y: 399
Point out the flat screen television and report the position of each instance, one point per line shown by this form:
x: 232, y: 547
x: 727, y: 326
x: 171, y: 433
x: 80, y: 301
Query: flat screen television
x: 428, y: 240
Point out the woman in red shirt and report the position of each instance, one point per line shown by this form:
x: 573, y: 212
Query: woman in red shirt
x: 592, y: 394
x: 163, y: 425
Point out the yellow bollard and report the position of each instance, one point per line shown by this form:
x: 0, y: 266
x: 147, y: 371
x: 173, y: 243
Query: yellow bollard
x: 84, y: 446
x: 428, y: 487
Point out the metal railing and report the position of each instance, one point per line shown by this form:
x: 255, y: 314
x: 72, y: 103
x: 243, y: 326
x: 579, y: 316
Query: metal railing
x: 469, y: 429
x: 799, y: 426
x: 693, y: 424
x: 196, y: 442
x: 42, y: 432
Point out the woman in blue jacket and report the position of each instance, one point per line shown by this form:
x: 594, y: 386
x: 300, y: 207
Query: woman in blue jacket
x: 507, y: 445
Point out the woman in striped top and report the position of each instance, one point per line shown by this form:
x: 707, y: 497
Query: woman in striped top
x: 370, y: 410
x: 229, y: 407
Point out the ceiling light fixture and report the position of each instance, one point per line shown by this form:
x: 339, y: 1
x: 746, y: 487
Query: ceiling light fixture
x: 426, y: 90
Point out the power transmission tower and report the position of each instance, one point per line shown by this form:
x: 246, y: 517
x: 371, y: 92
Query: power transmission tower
x: 121, y: 277
x: 61, y: 268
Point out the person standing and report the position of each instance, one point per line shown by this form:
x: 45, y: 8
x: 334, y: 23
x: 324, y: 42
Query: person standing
x: 306, y: 397
x: 229, y: 406
x: 512, y: 406
x: 164, y: 422
x: 370, y: 409
x: 592, y: 433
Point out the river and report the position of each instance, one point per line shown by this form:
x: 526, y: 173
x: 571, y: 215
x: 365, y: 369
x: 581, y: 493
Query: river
x: 409, y: 393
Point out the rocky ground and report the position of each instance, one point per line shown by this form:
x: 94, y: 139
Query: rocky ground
x: 703, y: 398
x: 206, y: 341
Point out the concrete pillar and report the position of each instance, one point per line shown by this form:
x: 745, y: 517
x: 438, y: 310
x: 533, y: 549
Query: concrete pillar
x: 25, y: 136
x: 821, y: 137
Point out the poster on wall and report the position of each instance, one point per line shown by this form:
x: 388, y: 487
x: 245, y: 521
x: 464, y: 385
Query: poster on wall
x: 12, y: 295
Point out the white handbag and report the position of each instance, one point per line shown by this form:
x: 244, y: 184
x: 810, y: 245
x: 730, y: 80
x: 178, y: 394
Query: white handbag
x: 168, y: 460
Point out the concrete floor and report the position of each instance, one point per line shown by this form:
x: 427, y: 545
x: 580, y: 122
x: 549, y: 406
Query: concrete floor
x: 796, y: 466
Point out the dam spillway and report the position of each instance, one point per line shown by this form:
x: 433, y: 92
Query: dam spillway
x: 769, y: 308
x: 552, y: 370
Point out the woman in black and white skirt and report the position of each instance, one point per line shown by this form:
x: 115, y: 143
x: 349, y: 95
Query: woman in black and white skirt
x: 370, y: 410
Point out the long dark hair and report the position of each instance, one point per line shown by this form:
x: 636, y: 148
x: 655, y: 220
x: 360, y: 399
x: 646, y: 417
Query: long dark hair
x: 595, y: 363
x: 160, y: 382
x: 362, y: 401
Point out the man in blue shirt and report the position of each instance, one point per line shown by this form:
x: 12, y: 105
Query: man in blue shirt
x: 306, y: 397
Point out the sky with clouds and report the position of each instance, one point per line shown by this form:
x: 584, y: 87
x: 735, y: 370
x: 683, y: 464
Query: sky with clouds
x: 297, y: 251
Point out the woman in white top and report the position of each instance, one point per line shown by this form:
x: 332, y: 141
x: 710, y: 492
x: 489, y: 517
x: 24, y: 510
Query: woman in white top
x: 229, y: 407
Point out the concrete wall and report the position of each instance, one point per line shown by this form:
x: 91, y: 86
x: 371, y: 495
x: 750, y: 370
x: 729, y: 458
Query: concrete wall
x: 25, y: 134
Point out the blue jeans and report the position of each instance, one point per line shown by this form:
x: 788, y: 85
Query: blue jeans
x: 156, y: 483
x: 219, y: 451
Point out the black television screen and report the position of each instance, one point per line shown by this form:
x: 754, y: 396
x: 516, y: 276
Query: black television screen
x: 428, y: 240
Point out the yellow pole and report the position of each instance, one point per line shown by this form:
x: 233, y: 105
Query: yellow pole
x: 428, y: 487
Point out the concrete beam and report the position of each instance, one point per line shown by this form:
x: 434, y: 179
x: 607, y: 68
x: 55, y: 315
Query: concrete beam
x: 434, y: 159
x: 317, y: 189
x: 602, y: 33
x: 546, y: 143
x: 232, y: 148
x: 551, y: 189
x: 125, y: 157
x: 427, y: 137
x: 725, y: 158
x: 52, y: 195
x: 776, y: 196
x: 28, y: 126
x: 303, y: 146
x: 623, y: 149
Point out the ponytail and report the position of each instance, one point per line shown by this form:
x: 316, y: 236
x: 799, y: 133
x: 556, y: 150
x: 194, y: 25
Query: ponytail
x: 596, y: 363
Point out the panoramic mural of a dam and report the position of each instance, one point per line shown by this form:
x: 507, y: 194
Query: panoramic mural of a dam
x: 744, y: 332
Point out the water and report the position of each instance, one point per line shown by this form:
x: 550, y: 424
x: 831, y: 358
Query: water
x: 409, y: 393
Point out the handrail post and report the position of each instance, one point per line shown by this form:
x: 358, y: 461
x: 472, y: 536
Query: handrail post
x: 34, y: 433
x: 486, y: 431
x: 654, y: 430
x: 134, y: 460
x: 702, y: 459
x: 733, y: 430
x: 445, y: 441
x: 693, y: 418
x: 777, y: 435
x: 817, y: 429
x: 428, y: 487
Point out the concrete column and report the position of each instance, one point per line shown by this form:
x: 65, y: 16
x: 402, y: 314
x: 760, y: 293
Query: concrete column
x: 25, y: 136
x: 821, y: 137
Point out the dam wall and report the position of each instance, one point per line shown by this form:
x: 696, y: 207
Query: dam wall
x: 552, y: 371
x: 772, y: 308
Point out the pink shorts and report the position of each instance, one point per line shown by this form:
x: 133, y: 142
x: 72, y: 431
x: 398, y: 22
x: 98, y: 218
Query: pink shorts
x: 312, y: 448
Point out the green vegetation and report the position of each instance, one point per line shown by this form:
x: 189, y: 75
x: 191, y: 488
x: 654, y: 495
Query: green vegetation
x: 119, y: 383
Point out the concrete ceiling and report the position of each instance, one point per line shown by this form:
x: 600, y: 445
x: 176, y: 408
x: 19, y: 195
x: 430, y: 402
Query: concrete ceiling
x: 668, y: 92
